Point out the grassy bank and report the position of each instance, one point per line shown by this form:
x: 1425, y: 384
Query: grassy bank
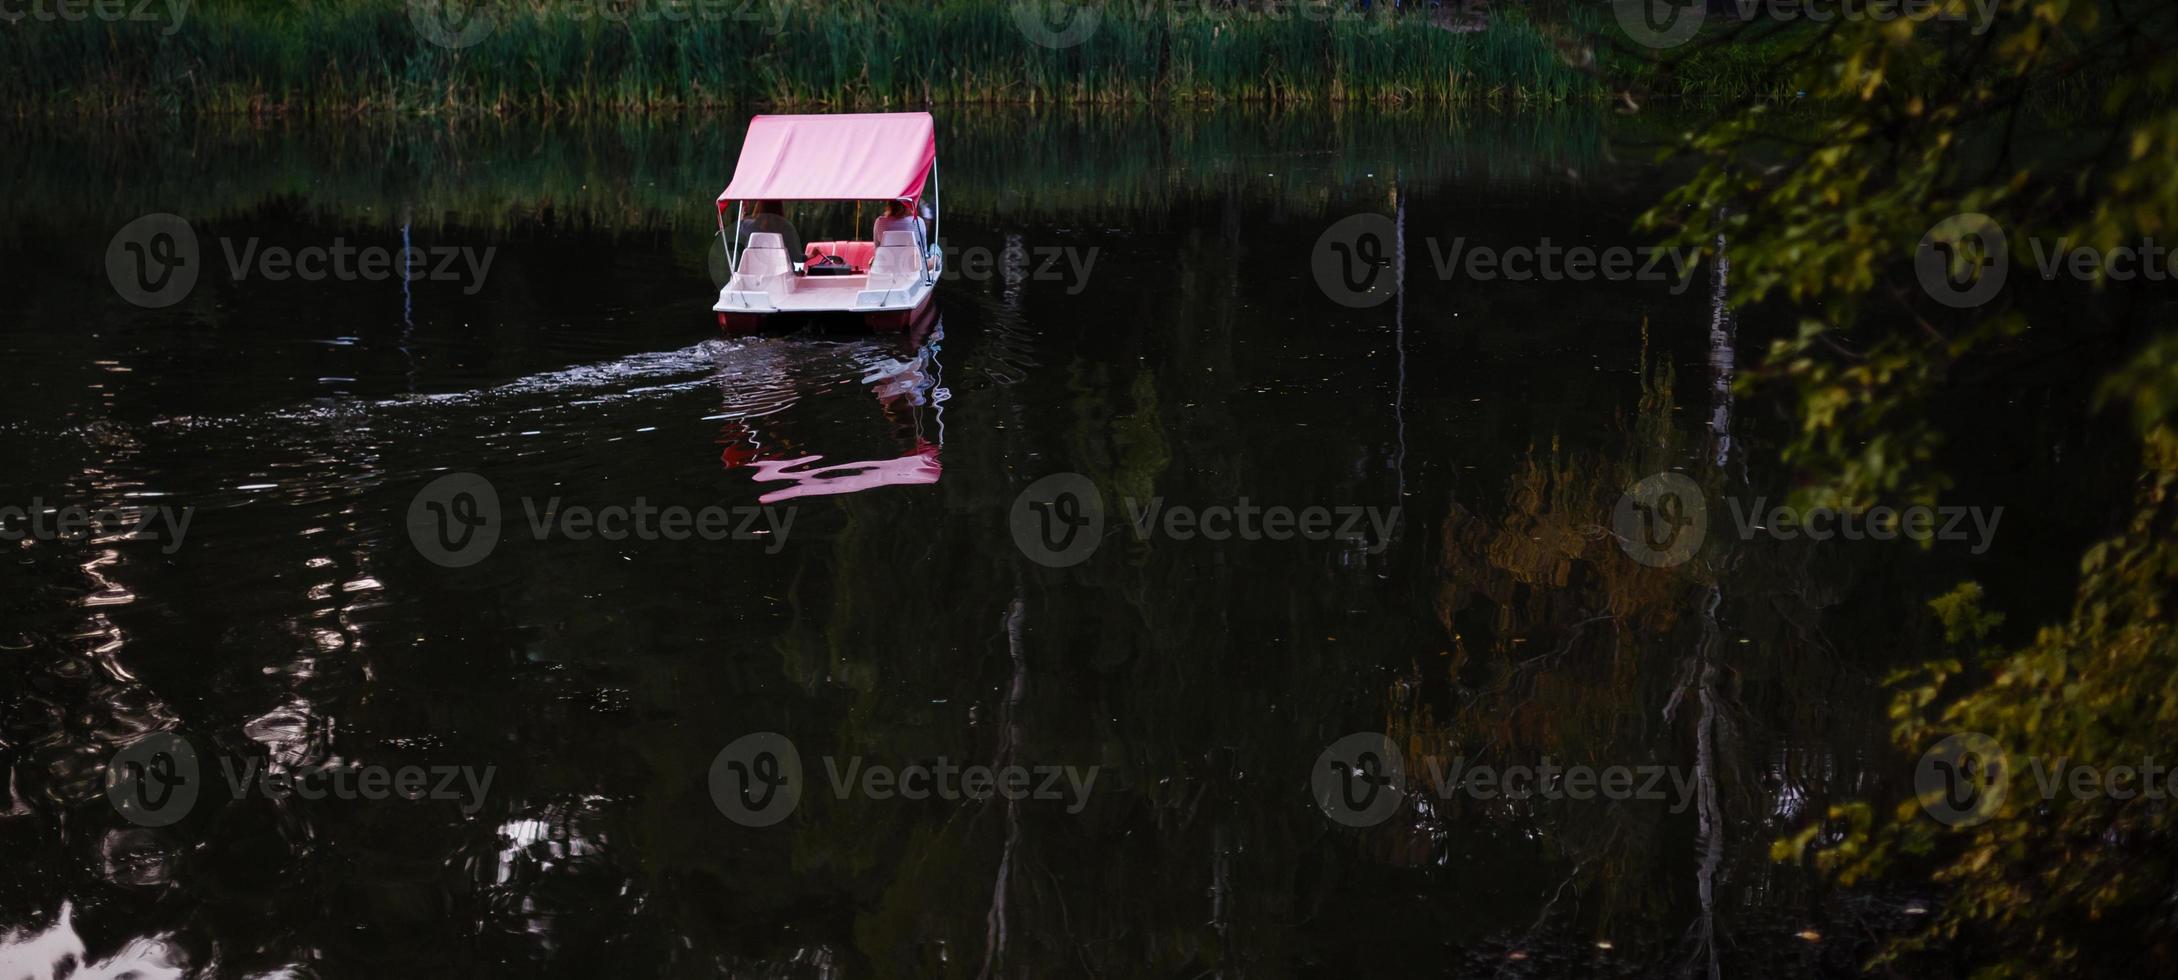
x: 1003, y: 166
x: 568, y: 56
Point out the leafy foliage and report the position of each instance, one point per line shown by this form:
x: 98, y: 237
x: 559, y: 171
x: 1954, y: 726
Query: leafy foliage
x: 2055, y: 123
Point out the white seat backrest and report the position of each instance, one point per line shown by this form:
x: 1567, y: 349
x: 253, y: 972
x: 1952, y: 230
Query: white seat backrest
x: 765, y: 256
x: 895, y: 256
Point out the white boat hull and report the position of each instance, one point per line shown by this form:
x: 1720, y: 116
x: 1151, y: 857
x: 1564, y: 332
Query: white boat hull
x: 898, y: 284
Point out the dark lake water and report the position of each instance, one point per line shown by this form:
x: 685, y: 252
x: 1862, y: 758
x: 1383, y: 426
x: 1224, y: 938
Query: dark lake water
x: 1138, y: 300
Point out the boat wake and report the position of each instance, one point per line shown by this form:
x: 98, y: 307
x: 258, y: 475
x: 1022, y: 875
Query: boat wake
x: 57, y: 953
x: 340, y: 446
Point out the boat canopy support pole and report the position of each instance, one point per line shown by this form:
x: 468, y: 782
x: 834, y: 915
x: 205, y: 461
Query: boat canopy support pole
x: 733, y: 244
x: 937, y: 213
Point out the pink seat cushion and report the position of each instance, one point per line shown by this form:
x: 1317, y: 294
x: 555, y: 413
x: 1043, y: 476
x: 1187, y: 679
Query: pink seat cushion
x: 857, y: 254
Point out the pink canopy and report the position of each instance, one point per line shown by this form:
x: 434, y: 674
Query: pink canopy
x: 874, y: 156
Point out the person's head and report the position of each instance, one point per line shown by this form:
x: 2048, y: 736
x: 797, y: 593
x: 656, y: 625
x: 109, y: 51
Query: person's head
x: 896, y: 209
x: 764, y: 207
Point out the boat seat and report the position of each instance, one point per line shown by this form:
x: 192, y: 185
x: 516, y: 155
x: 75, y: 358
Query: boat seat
x: 895, y: 262
x: 764, y: 258
x: 857, y: 254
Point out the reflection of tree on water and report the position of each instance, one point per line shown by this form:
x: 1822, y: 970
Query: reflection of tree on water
x: 1703, y: 665
x: 1564, y: 647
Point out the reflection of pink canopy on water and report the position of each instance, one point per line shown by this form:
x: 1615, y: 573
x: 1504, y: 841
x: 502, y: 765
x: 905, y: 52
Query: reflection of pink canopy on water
x: 901, y: 386
x: 873, y: 156
x: 916, y: 468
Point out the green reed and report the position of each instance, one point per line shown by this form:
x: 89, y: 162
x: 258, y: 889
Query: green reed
x: 369, y: 56
x: 1002, y: 165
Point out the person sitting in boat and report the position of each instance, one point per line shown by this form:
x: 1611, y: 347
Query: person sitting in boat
x: 766, y: 216
x: 897, y: 218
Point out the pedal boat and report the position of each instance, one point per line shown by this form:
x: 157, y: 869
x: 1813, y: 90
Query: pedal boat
x: 889, y: 156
